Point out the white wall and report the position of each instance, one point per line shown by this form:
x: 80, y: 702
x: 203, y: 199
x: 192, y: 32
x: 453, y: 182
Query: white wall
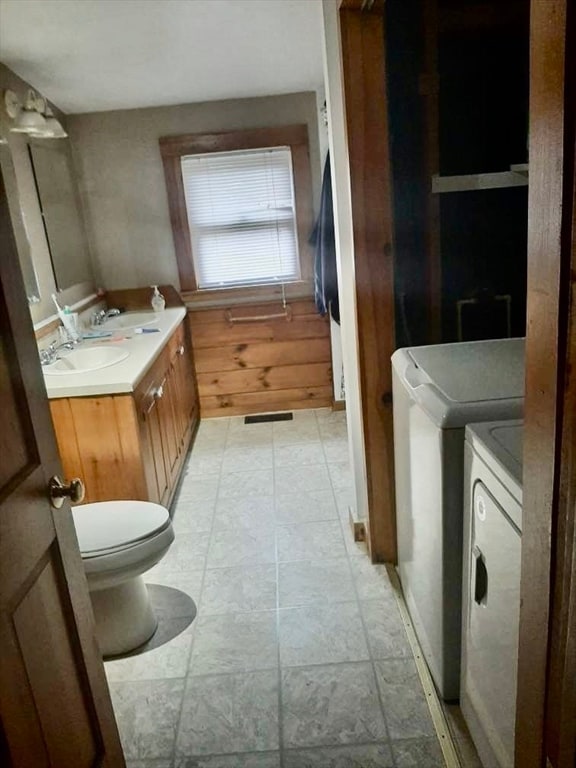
x: 338, y: 141
x: 122, y: 183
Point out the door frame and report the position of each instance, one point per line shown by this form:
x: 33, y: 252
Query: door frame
x: 362, y: 38
x: 546, y: 708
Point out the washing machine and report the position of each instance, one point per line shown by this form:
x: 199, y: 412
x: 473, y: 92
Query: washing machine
x: 491, y: 587
x: 437, y: 391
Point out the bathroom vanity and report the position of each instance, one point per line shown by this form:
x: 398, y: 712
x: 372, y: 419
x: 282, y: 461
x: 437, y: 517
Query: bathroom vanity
x: 125, y: 429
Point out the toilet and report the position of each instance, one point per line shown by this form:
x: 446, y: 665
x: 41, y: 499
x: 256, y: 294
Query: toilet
x: 119, y: 541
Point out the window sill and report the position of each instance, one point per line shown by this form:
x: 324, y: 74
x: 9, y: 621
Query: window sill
x: 228, y: 297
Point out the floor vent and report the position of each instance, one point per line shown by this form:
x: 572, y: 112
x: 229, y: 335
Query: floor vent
x: 264, y: 417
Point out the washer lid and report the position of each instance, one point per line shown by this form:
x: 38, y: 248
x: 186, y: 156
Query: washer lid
x: 465, y: 382
x: 112, y: 525
x: 499, y: 444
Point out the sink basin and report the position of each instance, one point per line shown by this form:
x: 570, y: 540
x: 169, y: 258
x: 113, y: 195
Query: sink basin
x: 87, y: 359
x: 129, y: 320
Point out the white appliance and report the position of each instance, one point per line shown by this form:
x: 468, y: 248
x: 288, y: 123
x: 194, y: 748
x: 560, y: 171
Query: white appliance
x: 491, y: 593
x: 437, y: 391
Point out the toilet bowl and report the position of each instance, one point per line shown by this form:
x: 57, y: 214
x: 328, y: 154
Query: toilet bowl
x: 119, y: 541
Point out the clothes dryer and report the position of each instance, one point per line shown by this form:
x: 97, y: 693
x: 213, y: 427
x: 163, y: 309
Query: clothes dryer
x: 437, y: 391
x: 491, y: 593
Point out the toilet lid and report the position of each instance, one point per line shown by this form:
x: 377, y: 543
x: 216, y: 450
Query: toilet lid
x: 110, y: 525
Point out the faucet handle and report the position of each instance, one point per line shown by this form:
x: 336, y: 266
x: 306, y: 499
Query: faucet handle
x: 48, y: 354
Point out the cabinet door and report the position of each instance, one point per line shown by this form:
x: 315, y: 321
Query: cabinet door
x: 187, y: 376
x: 185, y: 382
x: 167, y: 403
x: 152, y: 445
x: 180, y: 421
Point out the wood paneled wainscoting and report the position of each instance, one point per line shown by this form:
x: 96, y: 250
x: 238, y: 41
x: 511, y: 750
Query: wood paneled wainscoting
x: 273, y: 363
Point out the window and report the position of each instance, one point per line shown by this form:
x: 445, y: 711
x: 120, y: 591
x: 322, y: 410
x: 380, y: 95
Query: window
x: 242, y: 218
x: 241, y: 210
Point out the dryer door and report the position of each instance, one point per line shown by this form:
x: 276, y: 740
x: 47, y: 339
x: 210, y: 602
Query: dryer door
x: 489, y: 678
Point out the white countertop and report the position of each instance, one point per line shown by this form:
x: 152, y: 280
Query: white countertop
x: 123, y: 376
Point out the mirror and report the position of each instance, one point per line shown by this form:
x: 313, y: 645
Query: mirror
x: 19, y: 225
x: 58, y: 197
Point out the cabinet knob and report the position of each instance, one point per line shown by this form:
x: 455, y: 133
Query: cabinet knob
x: 181, y: 349
x: 58, y: 491
x: 159, y: 393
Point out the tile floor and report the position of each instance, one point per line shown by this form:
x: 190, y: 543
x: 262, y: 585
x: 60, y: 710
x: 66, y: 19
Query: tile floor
x: 297, y: 657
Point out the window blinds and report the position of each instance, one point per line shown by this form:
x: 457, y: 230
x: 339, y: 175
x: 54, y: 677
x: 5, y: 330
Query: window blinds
x: 241, y: 216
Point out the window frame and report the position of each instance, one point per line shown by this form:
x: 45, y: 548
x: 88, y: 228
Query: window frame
x: 173, y: 148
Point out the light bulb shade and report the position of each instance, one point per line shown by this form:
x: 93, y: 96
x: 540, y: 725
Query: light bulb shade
x: 53, y: 128
x: 28, y: 121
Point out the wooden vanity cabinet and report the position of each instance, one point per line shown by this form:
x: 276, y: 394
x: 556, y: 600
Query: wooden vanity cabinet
x: 132, y: 446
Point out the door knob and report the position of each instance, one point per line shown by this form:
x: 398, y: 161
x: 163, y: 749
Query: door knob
x: 74, y: 491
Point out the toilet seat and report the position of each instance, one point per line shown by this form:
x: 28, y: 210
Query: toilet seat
x: 109, y: 527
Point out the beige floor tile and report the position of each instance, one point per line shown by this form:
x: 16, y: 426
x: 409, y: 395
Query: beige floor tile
x: 253, y: 760
x: 372, y: 580
x: 147, y: 712
x: 234, y: 590
x: 341, y: 475
x: 418, y: 753
x: 229, y: 713
x: 241, y: 642
x: 235, y: 485
x: 244, y: 513
x: 387, y: 637
x: 193, y: 516
x: 246, y: 458
x: 230, y: 548
x: 322, y: 634
x: 301, y: 479
x: 168, y: 661
x: 299, y: 454
x: 365, y: 756
x: 313, y: 582
x: 310, y: 541
x: 305, y: 507
x: 189, y: 582
x: 187, y: 553
x: 405, y: 707
x: 331, y: 705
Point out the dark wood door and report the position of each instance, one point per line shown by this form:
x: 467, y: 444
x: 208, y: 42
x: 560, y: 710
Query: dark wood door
x: 55, y: 707
x: 546, y: 698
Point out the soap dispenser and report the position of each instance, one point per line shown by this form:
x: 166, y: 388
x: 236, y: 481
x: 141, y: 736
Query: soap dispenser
x: 158, y: 301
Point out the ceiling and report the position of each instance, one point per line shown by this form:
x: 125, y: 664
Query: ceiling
x: 95, y: 55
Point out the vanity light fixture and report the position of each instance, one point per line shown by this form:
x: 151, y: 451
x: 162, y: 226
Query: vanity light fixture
x: 53, y: 128
x: 34, y: 117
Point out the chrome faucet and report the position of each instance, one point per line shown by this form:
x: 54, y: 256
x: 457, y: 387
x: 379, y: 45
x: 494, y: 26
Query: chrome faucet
x: 98, y: 318
x: 50, y: 354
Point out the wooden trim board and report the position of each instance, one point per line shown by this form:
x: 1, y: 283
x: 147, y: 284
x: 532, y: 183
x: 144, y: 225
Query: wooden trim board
x: 172, y: 148
x: 546, y: 698
x: 363, y: 53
